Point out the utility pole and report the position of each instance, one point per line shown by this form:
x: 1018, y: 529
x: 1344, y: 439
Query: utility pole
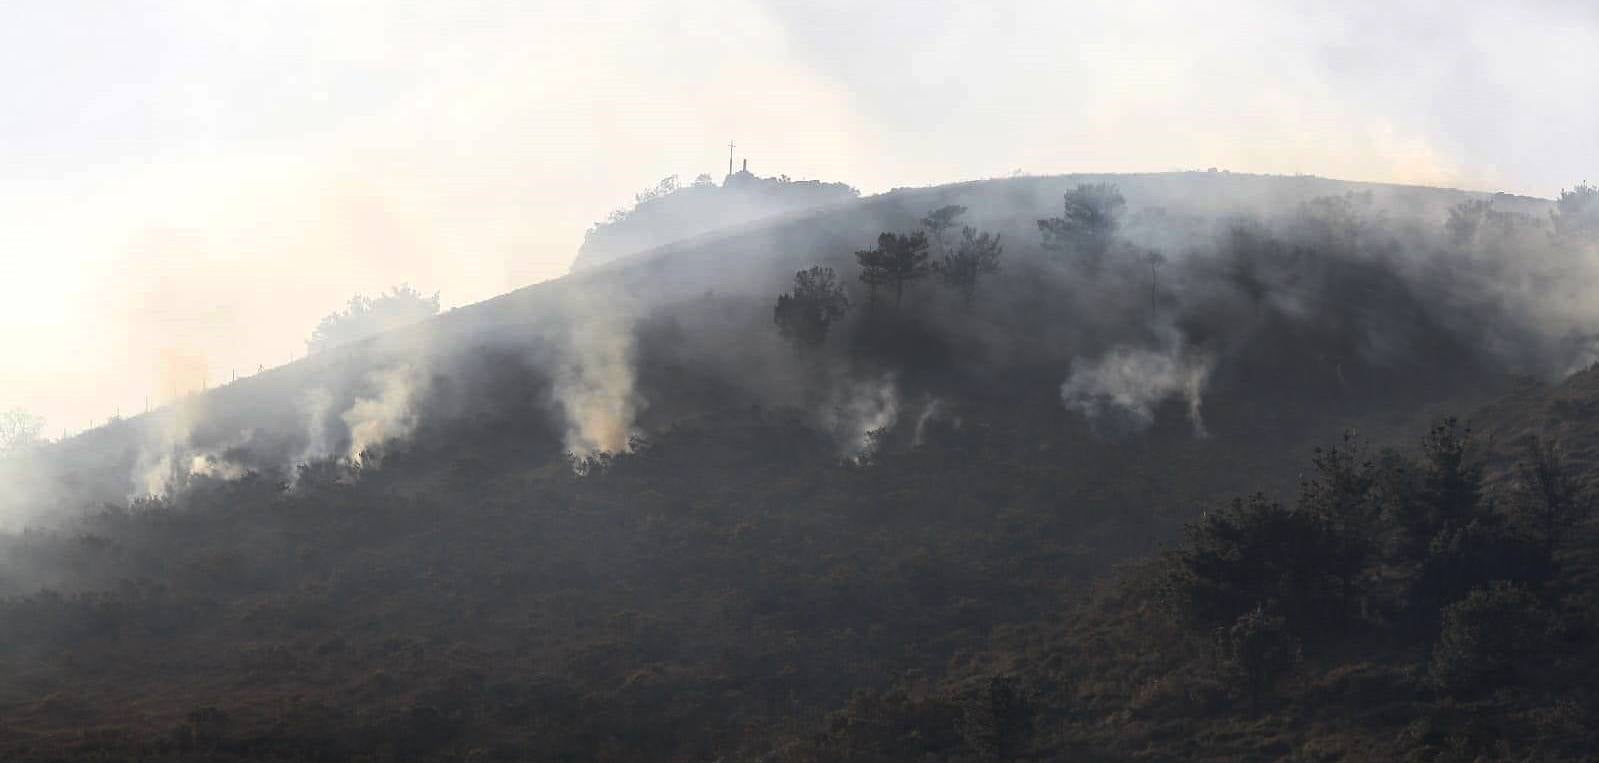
x: 730, y: 158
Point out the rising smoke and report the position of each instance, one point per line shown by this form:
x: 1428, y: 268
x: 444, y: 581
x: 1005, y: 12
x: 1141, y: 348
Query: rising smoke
x: 390, y: 415
x: 314, y: 408
x: 595, y: 381
x: 215, y: 467
x: 1120, y: 391
x: 1357, y: 294
x: 859, y: 414
x: 930, y: 411
x: 165, y: 448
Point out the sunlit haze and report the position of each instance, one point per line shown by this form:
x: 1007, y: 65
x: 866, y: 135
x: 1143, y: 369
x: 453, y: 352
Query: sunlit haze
x: 187, y: 186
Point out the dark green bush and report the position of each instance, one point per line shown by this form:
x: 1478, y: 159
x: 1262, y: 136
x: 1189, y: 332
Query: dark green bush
x: 1485, y: 638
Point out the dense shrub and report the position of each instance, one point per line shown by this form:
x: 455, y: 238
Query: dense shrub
x: 1485, y: 637
x: 1259, y: 649
x: 1253, y: 553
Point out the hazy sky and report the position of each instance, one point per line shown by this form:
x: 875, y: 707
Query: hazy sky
x: 204, y: 179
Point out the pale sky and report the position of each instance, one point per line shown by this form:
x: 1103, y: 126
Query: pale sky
x: 206, y: 178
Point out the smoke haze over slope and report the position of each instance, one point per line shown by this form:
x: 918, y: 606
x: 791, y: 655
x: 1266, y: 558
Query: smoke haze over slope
x: 208, y: 180
x: 1306, y: 291
x: 1105, y: 380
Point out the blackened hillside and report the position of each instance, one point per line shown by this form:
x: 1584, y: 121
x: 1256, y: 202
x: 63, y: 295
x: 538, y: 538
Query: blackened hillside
x: 623, y: 516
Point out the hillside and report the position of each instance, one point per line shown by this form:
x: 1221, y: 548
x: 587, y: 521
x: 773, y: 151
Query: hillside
x: 727, y: 279
x: 621, y: 516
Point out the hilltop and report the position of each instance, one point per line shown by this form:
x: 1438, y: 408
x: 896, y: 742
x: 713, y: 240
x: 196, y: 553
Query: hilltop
x: 671, y: 212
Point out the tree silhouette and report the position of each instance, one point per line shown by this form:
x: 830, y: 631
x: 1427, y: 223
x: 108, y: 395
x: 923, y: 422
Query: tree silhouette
x: 1450, y: 488
x: 1250, y: 259
x: 1089, y: 221
x: 19, y: 431
x: 1552, y: 499
x: 366, y: 316
x: 995, y: 717
x: 805, y: 315
x: 873, y: 273
x: 1258, y: 551
x: 666, y: 187
x: 1154, y: 259
x: 898, y: 259
x: 1576, y: 214
x: 1464, y: 220
x: 939, y: 221
x: 1260, y: 648
x: 1484, y: 636
x: 975, y: 256
x: 1476, y: 223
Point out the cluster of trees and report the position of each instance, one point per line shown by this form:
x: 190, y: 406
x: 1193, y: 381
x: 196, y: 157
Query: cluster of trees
x: 366, y: 316
x: 805, y: 314
x: 1574, y: 222
x: 901, y: 259
x: 662, y: 189
x: 1091, y: 214
x: 1331, y: 238
x: 1576, y: 213
x: 1083, y: 235
x: 1415, y: 546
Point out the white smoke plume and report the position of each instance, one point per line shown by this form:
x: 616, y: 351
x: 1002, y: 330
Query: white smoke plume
x: 929, y: 412
x: 211, y: 463
x: 595, y: 381
x: 390, y: 416
x: 859, y: 412
x: 1122, y: 389
x: 315, y: 406
x: 215, y: 467
x: 154, y: 474
x: 166, y: 439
